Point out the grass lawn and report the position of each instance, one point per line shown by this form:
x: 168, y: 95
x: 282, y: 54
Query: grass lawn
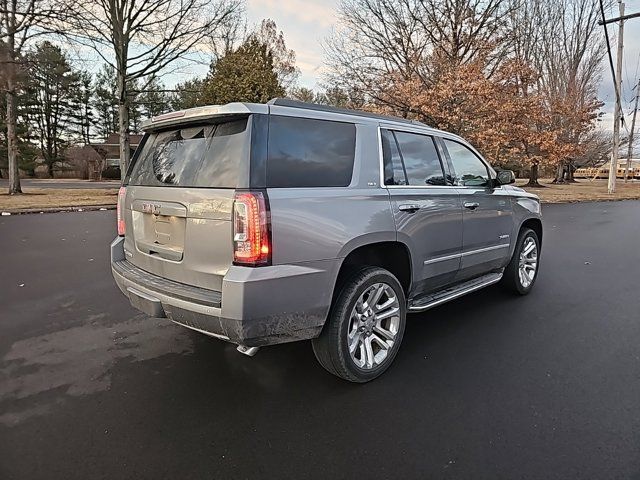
x: 45, y: 198
x: 583, y: 191
x: 49, y: 198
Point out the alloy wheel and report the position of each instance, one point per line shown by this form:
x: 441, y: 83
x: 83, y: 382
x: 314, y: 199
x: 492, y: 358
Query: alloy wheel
x: 528, y: 262
x: 373, y: 326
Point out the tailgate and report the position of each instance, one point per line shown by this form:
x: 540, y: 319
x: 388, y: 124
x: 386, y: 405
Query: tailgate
x: 179, y: 200
x: 181, y: 234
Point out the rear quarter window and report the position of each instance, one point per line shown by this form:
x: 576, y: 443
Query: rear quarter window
x: 305, y: 152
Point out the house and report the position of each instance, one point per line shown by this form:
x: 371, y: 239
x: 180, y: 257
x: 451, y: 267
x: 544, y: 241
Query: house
x: 110, y: 148
x: 110, y: 151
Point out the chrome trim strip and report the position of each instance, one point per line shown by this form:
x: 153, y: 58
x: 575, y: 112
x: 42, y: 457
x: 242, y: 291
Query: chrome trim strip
x: 380, y: 157
x: 432, y: 187
x: 465, y: 254
x: 486, y: 249
x: 442, y: 259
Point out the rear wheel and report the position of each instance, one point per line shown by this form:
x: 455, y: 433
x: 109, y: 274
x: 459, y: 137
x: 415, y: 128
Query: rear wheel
x: 522, y: 271
x: 365, y: 326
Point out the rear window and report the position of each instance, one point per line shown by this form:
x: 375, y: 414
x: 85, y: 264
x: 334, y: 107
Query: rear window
x: 193, y: 156
x: 305, y: 152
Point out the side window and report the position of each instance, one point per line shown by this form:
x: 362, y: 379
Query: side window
x: 421, y: 159
x: 469, y: 170
x: 304, y: 152
x: 393, y: 169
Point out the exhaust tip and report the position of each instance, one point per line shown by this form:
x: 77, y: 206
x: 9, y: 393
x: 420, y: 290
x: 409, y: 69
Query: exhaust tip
x: 248, y: 351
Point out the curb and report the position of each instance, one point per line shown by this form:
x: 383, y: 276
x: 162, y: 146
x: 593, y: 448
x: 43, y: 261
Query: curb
x: 78, y: 208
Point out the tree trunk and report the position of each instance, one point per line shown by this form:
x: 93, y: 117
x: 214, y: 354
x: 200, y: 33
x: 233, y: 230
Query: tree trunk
x: 570, y: 171
x: 533, y: 176
x: 12, y: 114
x: 559, y: 174
x: 123, y: 124
x: 12, y: 139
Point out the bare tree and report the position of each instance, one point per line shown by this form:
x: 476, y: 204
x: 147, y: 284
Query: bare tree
x: 229, y: 35
x: 284, y: 59
x: 20, y: 21
x: 377, y: 40
x: 373, y: 39
x: 564, y: 44
x: 141, y: 39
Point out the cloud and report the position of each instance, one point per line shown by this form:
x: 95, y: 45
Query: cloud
x: 319, y: 12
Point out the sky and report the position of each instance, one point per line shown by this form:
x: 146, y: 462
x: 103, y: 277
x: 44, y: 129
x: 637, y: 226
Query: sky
x: 306, y: 23
x: 630, y: 66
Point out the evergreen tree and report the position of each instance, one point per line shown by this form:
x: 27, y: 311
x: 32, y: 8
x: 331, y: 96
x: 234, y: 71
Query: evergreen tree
x: 188, y: 95
x: 153, y: 100
x: 105, y: 102
x: 83, y: 119
x: 50, y: 101
x: 244, y: 75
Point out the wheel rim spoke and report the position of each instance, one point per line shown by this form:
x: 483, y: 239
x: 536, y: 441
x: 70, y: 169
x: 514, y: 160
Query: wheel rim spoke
x: 378, y: 290
x: 528, y: 262
x: 374, y: 325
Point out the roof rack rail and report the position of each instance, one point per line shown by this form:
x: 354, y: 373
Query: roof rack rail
x: 286, y: 102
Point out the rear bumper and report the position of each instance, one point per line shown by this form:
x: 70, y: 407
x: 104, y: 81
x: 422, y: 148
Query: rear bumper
x: 256, y: 307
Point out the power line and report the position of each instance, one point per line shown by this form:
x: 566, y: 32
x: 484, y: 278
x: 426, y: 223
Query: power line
x: 604, y: 23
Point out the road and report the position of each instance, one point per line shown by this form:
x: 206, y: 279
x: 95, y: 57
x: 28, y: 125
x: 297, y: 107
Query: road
x: 487, y: 387
x: 61, y: 183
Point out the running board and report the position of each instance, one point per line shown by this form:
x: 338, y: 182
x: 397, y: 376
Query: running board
x: 434, y: 299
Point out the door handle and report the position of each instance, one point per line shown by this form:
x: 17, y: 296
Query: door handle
x: 409, y: 207
x: 471, y: 205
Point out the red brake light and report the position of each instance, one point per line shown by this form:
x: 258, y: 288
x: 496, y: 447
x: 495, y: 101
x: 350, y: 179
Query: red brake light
x: 251, y: 230
x: 120, y: 210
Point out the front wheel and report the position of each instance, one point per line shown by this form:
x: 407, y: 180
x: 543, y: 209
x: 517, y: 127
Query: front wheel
x: 365, y: 326
x: 522, y: 271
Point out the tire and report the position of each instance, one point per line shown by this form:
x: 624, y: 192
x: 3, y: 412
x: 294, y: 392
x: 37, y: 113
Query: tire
x: 361, y: 327
x: 512, y: 279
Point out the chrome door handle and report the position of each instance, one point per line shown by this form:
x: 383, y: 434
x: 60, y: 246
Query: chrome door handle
x: 471, y: 205
x: 409, y: 207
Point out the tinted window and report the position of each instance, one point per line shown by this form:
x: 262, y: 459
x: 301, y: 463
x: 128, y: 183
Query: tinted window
x: 200, y: 156
x: 421, y: 160
x: 469, y: 170
x: 310, y: 153
x: 393, y: 170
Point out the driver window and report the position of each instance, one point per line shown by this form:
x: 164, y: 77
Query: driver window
x: 469, y: 170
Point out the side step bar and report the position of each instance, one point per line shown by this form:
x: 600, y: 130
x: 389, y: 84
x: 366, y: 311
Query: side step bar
x: 434, y: 299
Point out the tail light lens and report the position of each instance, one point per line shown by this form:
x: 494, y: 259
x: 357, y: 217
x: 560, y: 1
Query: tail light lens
x: 120, y: 210
x: 251, y: 230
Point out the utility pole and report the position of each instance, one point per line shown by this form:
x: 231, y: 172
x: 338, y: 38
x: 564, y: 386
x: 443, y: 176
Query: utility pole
x: 633, y: 126
x: 613, y: 166
x: 617, y: 82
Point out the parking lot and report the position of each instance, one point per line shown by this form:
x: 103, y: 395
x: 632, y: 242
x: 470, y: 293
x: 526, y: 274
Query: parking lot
x: 489, y: 386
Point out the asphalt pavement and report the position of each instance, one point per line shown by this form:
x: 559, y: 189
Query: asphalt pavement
x: 487, y: 387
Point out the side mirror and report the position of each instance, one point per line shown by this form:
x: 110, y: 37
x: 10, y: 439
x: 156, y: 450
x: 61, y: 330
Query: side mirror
x: 505, y: 177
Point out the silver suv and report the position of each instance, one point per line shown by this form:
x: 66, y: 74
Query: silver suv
x: 263, y: 224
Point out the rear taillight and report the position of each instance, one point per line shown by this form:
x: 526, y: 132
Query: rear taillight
x: 120, y: 210
x: 251, y: 229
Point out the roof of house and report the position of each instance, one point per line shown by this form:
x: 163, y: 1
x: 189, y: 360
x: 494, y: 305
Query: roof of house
x: 87, y: 152
x: 114, y: 139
